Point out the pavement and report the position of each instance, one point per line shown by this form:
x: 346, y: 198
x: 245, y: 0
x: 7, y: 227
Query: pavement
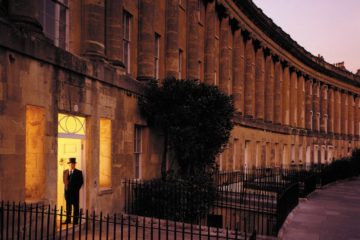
x: 329, y: 213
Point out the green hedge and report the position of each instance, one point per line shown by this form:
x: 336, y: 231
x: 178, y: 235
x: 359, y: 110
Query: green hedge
x: 175, y: 199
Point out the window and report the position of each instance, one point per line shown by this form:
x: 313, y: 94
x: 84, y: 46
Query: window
x: 127, y: 40
x: 54, y: 20
x: 180, y: 63
x: 316, y: 154
x: 257, y: 155
x: 137, y: 151
x: 157, y: 55
x: 215, y: 78
x: 200, y: 70
x: 35, y: 123
x: 105, y: 153
x: 200, y: 11
x: 292, y: 154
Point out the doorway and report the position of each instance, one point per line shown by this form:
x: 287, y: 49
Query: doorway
x: 71, y: 143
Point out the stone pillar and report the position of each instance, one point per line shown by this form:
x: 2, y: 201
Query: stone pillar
x: 225, y: 34
x: 192, y: 39
x: 146, y: 43
x: 270, y: 88
x: 94, y: 28
x: 286, y: 95
x: 301, y: 101
x: 293, y: 97
x: 172, y: 35
x: 309, y: 104
x: 249, y: 78
x: 26, y: 13
x: 344, y: 112
x: 114, y: 33
x: 210, y: 43
x: 278, y: 104
x: 331, y: 108
x: 324, y: 107
x: 259, y: 83
x: 337, y: 112
x: 316, y: 107
x: 350, y: 114
x: 238, y: 72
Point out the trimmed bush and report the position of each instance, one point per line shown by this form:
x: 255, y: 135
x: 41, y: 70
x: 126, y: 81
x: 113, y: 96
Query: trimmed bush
x: 175, y: 199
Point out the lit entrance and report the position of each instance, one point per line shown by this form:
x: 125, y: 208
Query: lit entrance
x: 71, y: 141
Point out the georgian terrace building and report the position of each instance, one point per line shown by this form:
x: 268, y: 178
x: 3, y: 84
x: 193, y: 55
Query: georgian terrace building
x: 71, y: 73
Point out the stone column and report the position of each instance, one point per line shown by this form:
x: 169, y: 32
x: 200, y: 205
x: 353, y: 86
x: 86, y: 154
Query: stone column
x: 146, y: 44
x: 324, y: 108
x: 278, y: 104
x: 192, y: 39
x: 270, y: 88
x: 172, y: 35
x: 337, y: 112
x: 225, y: 34
x: 94, y: 28
x: 301, y: 101
x: 238, y: 72
x: 259, y: 83
x: 350, y: 114
x: 331, y: 108
x: 293, y: 97
x: 210, y: 43
x: 249, y: 78
x: 344, y: 112
x: 114, y: 33
x: 316, y: 107
x: 286, y: 95
x: 309, y: 112
x: 27, y: 13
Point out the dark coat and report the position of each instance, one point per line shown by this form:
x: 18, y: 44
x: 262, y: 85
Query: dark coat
x: 72, y: 184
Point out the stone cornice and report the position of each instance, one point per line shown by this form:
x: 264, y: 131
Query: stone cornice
x: 267, y: 26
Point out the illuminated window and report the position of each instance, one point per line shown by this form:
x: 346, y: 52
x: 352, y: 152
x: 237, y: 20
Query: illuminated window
x: 70, y: 125
x: 54, y: 20
x: 105, y: 153
x: 34, y: 155
x: 137, y: 151
x: 127, y: 40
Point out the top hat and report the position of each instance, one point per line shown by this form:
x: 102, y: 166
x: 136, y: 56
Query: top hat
x: 72, y: 160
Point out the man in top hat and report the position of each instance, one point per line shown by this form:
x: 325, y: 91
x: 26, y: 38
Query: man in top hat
x: 73, y: 180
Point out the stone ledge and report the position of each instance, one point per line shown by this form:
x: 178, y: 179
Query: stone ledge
x: 38, y: 47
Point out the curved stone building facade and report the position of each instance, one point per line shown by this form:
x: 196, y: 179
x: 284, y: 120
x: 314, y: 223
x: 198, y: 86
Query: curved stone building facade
x: 71, y: 73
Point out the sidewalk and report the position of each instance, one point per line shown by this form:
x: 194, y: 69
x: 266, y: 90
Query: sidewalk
x: 331, y: 213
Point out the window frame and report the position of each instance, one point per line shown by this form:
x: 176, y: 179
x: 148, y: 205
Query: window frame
x: 127, y: 22
x: 138, y: 150
x: 157, y: 56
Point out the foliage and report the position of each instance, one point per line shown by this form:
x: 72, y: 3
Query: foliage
x: 343, y: 168
x: 195, y: 119
x: 175, y: 199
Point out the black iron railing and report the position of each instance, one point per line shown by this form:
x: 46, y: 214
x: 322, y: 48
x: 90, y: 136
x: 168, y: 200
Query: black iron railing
x: 23, y: 221
x: 245, y: 200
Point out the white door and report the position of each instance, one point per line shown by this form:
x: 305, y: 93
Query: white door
x: 69, y: 147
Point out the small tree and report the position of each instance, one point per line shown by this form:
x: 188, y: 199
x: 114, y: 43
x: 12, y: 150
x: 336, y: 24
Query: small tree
x: 195, y: 119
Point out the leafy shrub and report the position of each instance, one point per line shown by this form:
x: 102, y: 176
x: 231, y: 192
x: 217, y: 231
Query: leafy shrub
x: 175, y: 198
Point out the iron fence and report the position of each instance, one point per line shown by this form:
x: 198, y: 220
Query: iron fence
x: 247, y: 201
x: 23, y: 221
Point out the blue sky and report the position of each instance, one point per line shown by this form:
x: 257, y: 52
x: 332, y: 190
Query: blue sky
x: 330, y: 28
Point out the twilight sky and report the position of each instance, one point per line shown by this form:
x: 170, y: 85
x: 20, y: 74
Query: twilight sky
x: 330, y: 28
